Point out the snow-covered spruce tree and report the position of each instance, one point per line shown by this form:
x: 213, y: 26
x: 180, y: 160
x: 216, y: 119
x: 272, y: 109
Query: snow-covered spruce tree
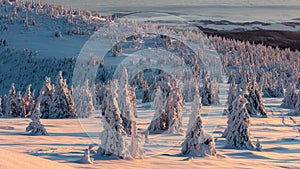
x: 290, y: 98
x: 46, y: 98
x: 238, y: 133
x: 1, y: 112
x: 215, y: 92
x: 83, y: 101
x: 28, y: 102
x: 197, y: 142
x: 174, y: 111
x: 35, y: 127
x: 124, y: 99
x: 11, y: 103
x: 132, y: 96
x: 231, y: 78
x: 206, y: 91
x: 62, y: 105
x: 135, y: 148
x: 196, y: 109
x: 4, y: 104
x: 255, y: 106
x: 160, y: 118
x: 231, y: 95
x: 105, y: 95
x: 297, y: 107
x: 113, y: 135
x: 20, y: 108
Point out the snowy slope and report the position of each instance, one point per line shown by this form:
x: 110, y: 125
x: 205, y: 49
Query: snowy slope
x: 13, y: 160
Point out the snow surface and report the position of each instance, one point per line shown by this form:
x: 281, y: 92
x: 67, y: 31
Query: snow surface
x: 14, y: 160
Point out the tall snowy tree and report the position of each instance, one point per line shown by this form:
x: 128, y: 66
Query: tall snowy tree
x: 83, y: 100
x: 62, y: 105
x: 113, y: 135
x: 231, y: 78
x: 255, y: 105
x: 174, y: 111
x: 206, y: 91
x: 20, y: 108
x: 196, y: 109
x: 215, y: 92
x: 231, y: 95
x: 28, y: 102
x: 132, y: 97
x: 238, y: 133
x: 11, y: 103
x: 46, y: 98
x: 160, y: 118
x: 35, y: 127
x: 197, y: 142
x: 124, y: 101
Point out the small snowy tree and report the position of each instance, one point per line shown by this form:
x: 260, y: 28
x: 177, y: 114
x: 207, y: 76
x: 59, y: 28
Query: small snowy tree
x: 62, y: 105
x: 255, y: 106
x: 35, y: 127
x: 197, y: 142
x: 174, y: 111
x: 46, y: 98
x: 297, y: 107
x: 1, y: 113
x: 290, y: 98
x: 159, y: 120
x: 4, y: 104
x: 86, y: 159
x: 135, y: 148
x: 113, y: 135
x: 258, y: 145
x: 238, y: 134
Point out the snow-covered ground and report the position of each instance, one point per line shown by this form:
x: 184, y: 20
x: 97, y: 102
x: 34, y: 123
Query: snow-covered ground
x: 68, y: 138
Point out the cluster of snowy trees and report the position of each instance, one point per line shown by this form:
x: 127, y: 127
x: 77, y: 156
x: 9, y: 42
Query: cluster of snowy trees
x: 28, y: 12
x: 55, y: 101
x: 117, y: 120
x: 273, y: 69
x: 15, y: 105
x: 167, y: 118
